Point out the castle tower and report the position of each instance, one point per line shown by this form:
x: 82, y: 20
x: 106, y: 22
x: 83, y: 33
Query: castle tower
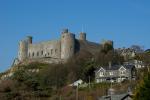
x: 67, y: 44
x: 23, y: 50
x: 82, y: 36
x: 29, y: 39
x: 108, y: 44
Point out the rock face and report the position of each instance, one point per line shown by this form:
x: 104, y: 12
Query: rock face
x: 55, y: 50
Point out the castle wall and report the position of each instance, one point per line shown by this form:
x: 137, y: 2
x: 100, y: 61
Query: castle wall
x: 59, y: 50
x: 44, y: 49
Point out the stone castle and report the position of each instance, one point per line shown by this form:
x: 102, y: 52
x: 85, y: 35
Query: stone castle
x: 56, y: 50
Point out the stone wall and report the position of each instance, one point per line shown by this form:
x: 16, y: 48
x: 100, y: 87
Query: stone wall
x: 49, y: 49
x: 56, y: 50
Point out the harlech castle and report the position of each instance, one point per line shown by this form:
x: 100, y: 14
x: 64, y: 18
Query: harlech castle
x: 54, y: 51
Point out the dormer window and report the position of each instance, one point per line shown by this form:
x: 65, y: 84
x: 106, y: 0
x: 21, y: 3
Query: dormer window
x: 101, y: 74
x: 122, y: 72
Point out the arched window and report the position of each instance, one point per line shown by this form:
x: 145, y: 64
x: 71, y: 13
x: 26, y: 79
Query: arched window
x: 71, y: 48
x: 41, y: 52
x: 29, y: 54
x: 33, y: 54
x: 55, y: 50
x: 51, y: 51
x: 37, y: 53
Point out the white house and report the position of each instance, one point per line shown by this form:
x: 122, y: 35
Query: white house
x: 137, y: 63
x: 116, y: 73
x: 76, y: 83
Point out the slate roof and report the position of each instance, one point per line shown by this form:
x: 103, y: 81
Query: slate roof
x: 116, y: 97
x: 88, y: 46
x: 133, y: 62
x: 116, y: 67
x: 129, y: 66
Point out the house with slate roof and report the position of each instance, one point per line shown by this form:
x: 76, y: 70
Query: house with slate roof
x: 126, y: 52
x: 115, y: 73
x: 137, y: 63
x: 124, y: 96
x: 119, y: 96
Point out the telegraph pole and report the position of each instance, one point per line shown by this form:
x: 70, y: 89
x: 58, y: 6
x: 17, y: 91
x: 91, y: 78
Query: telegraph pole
x: 89, y: 83
x: 60, y: 97
x: 77, y: 93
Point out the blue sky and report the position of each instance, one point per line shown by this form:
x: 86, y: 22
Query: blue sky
x: 126, y: 22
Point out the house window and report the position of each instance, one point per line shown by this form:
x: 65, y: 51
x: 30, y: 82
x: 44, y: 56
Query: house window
x: 122, y: 72
x: 101, y: 74
x: 111, y: 73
